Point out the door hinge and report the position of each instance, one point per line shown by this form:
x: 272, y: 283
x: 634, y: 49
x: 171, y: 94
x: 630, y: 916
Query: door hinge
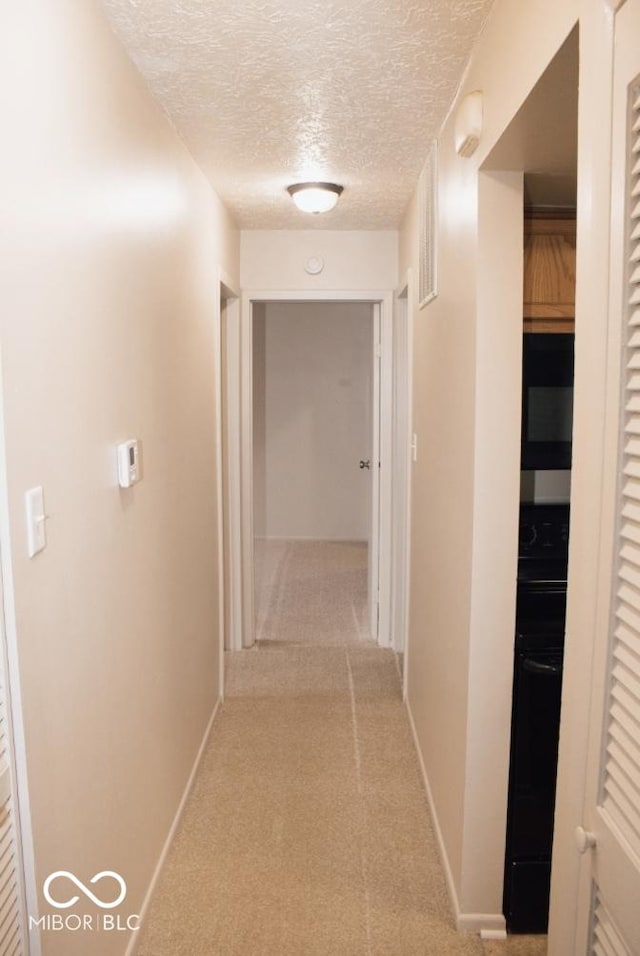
x: 378, y: 349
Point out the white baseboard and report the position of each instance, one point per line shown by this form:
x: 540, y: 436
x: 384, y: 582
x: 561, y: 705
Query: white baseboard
x: 493, y: 933
x: 493, y: 924
x: 444, y: 859
x: 133, y: 941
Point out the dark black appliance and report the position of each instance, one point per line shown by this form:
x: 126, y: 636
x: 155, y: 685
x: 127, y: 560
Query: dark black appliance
x: 547, y: 400
x: 539, y: 643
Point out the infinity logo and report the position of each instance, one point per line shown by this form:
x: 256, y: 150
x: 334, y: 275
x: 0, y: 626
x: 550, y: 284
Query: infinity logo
x: 85, y: 889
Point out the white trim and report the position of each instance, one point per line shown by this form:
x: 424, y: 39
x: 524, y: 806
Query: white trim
x: 384, y: 401
x: 487, y: 925
x: 225, y: 292
x: 146, y: 903
x: 428, y: 228
x: 24, y: 831
x: 246, y: 464
x: 465, y: 922
x: 217, y: 378
x: 401, y: 478
x: 373, y: 557
x: 493, y: 934
x: 226, y: 466
x: 400, y: 412
x: 408, y: 504
x: 444, y: 859
x: 234, y: 473
x: 384, y: 298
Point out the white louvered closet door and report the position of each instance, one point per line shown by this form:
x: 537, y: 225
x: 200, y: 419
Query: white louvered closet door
x: 611, y: 903
x: 12, y: 910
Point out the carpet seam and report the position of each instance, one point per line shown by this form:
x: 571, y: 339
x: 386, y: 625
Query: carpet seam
x: 362, y: 811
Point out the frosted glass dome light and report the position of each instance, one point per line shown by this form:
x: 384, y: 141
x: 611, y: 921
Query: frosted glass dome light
x: 315, y: 197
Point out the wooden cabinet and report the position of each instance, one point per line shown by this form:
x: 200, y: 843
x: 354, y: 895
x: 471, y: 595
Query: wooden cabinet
x: 549, y: 274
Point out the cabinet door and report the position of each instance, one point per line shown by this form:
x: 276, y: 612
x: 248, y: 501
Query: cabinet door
x: 549, y: 274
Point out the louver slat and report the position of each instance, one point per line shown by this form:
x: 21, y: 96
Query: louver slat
x: 630, y: 596
x: 631, y: 574
x: 631, y: 490
x: 632, y: 468
x: 632, y: 426
x: 630, y: 530
x: 606, y: 939
x: 627, y: 743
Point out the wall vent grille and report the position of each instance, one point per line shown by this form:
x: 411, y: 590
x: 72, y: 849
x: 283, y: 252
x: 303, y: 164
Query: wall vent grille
x: 427, y: 217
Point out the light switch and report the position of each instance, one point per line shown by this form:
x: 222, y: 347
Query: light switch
x: 36, y: 521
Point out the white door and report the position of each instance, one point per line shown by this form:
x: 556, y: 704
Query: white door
x: 609, y: 908
x: 374, y: 493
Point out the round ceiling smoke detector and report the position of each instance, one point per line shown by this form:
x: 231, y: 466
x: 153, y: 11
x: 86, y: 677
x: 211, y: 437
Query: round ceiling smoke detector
x: 314, y: 265
x: 315, y: 197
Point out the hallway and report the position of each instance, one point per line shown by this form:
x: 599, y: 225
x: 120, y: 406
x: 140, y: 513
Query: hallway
x: 307, y: 830
x: 154, y: 153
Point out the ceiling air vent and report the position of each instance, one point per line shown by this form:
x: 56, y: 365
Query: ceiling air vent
x: 427, y: 224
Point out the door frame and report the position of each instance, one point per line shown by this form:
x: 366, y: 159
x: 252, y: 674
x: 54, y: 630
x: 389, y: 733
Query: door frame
x: 402, y: 462
x: 241, y: 507
x: 227, y: 459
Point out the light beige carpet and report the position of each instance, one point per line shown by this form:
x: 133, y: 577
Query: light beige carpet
x: 307, y: 831
x: 311, y: 591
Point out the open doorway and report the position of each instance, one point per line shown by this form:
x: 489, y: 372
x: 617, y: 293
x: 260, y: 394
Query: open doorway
x: 241, y: 410
x: 530, y: 178
x: 315, y: 437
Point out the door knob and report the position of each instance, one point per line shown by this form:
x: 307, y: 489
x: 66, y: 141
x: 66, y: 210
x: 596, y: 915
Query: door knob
x: 585, y: 840
x: 365, y: 464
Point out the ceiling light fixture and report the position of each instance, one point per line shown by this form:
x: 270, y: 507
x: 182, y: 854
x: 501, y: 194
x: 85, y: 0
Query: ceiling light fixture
x: 315, y: 197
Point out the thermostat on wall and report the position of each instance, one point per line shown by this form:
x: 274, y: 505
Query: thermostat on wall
x: 128, y: 463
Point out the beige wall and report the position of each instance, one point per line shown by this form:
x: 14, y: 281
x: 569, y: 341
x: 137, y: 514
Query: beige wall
x: 275, y: 260
x: 318, y: 396
x: 110, y: 246
x: 466, y: 481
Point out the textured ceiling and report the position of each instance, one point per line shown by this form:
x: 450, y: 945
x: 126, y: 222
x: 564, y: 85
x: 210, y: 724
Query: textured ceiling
x: 270, y: 92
